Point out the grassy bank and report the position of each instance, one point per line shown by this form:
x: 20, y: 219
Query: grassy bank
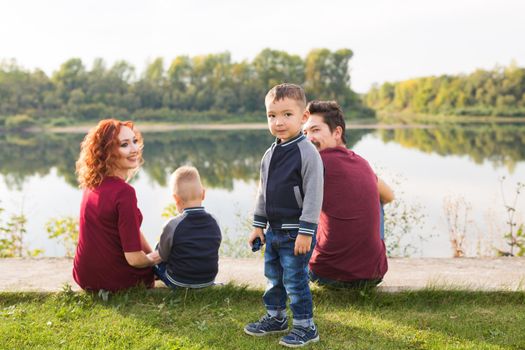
x: 214, y: 318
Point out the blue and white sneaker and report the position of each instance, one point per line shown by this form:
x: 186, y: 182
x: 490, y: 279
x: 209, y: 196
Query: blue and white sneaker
x: 267, y: 325
x: 300, y: 336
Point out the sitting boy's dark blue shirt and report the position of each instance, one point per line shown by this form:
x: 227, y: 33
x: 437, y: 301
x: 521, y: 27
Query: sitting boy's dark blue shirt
x: 189, y: 245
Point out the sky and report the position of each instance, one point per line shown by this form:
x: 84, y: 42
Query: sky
x: 391, y: 40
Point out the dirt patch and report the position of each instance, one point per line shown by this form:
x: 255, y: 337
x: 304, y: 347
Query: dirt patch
x: 50, y: 274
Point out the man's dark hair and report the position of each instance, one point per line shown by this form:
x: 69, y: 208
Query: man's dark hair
x: 286, y: 90
x: 332, y: 115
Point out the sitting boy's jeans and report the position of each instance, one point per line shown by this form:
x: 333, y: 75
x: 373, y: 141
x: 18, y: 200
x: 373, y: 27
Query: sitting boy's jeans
x: 160, y: 271
x: 287, y: 274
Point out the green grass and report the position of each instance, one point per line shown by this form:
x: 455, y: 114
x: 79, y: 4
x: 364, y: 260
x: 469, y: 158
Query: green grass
x: 214, y: 319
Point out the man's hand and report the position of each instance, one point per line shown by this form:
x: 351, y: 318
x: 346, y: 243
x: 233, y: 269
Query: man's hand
x: 257, y: 232
x: 302, y: 244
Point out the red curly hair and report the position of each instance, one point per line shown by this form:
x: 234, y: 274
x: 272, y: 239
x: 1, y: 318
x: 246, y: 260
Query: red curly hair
x: 99, y: 152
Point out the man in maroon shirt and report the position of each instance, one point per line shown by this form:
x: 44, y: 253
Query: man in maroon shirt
x: 349, y: 250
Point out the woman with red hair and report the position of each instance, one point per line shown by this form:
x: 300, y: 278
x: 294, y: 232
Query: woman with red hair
x: 112, y: 253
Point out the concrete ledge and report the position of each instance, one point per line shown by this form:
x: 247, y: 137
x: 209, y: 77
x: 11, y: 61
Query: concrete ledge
x: 489, y: 274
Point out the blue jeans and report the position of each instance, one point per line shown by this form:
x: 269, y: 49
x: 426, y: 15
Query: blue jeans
x: 382, y: 222
x: 160, y: 272
x: 287, y: 274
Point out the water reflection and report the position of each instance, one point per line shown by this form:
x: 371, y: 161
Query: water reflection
x: 501, y: 145
x: 24, y: 155
x: 37, y: 175
x: 220, y: 156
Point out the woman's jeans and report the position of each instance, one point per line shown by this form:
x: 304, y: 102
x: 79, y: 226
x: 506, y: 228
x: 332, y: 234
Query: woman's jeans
x: 287, y: 274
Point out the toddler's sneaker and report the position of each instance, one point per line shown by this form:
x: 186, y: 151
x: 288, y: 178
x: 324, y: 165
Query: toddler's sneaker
x: 300, y: 336
x: 267, y: 325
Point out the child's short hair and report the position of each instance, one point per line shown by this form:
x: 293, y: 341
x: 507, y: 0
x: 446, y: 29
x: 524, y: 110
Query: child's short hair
x: 286, y: 90
x: 185, y: 182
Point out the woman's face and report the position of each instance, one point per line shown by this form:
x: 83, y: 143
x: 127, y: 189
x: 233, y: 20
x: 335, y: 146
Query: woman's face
x: 129, y: 150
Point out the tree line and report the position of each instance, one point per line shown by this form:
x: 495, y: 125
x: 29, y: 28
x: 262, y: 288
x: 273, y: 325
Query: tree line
x: 496, y: 92
x: 199, y: 88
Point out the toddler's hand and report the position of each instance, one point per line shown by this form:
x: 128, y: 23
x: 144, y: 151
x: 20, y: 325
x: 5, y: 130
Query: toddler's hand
x: 257, y: 232
x: 302, y: 244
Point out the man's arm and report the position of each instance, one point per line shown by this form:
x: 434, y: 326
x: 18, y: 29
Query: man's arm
x: 386, y: 195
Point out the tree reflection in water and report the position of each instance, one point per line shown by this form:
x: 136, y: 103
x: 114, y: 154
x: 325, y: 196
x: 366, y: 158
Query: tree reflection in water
x: 502, y: 145
x: 225, y: 156
x: 220, y: 156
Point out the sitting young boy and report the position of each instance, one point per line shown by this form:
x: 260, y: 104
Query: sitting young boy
x: 189, y: 244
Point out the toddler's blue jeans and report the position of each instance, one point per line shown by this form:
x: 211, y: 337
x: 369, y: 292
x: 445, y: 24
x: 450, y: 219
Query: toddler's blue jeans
x: 287, y: 274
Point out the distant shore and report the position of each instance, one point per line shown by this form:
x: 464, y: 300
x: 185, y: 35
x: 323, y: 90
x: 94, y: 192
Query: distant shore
x: 164, y: 127
x: 385, y: 122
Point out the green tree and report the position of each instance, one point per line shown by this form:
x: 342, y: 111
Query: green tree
x: 150, y: 89
x: 71, y: 76
x: 274, y: 67
x: 327, y: 76
x: 484, y: 92
x: 205, y: 86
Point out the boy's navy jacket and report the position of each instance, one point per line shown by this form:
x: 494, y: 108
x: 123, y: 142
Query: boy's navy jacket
x: 189, y: 245
x: 290, y: 194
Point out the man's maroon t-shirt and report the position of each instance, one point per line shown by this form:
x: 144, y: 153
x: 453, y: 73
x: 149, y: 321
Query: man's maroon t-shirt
x: 349, y: 246
x: 109, y: 226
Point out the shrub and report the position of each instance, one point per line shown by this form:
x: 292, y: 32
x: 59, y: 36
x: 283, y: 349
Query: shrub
x: 19, y: 122
x: 66, y: 231
x: 60, y: 121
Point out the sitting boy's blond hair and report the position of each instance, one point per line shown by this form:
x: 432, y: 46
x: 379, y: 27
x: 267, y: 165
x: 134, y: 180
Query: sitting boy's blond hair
x: 185, y: 182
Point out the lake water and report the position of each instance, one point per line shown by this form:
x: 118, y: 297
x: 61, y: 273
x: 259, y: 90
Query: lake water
x: 429, y: 168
